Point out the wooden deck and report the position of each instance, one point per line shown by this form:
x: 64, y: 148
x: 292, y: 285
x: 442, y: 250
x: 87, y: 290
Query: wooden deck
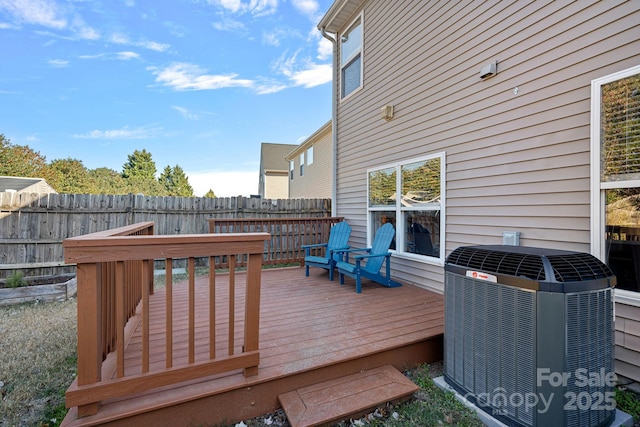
x: 311, y: 330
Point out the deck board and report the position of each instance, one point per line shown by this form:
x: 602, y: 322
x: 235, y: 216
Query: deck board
x: 310, y: 328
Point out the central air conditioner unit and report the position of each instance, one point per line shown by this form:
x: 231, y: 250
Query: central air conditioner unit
x: 529, y: 334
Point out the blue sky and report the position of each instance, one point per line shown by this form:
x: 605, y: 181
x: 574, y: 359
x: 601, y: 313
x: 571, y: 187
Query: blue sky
x: 198, y: 83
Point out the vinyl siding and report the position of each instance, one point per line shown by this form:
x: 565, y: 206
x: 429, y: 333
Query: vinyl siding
x: 628, y: 340
x: 317, y: 179
x: 515, y: 162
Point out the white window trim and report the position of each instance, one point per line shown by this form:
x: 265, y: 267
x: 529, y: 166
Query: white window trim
x: 398, y: 208
x: 310, y: 157
x: 359, y: 88
x: 597, y: 187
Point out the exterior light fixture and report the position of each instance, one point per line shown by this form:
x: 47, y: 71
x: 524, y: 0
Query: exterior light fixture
x: 387, y: 112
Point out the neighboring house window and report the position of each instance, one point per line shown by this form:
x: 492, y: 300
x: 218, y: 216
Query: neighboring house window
x: 310, y: 155
x: 351, y: 58
x: 615, y: 144
x: 419, y: 210
x: 292, y: 168
x: 302, y: 164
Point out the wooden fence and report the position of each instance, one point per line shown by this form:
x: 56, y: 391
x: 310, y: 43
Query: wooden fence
x: 33, y: 226
x: 288, y: 235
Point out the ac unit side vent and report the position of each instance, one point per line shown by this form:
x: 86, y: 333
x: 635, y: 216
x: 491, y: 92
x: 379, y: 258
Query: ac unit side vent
x: 578, y: 267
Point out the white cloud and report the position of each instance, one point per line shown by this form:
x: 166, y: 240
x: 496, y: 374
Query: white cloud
x: 58, y: 63
x: 36, y: 12
x: 123, y: 39
x: 183, y: 76
x: 325, y: 49
x: 306, y: 7
x: 186, y: 113
x: 307, y: 74
x: 314, y: 75
x: 228, y: 24
x: 143, y: 132
x: 224, y: 183
x: 49, y: 14
x: 255, y: 7
x: 125, y: 56
x: 122, y: 56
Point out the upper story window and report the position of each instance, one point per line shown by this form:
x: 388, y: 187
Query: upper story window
x: 310, y: 155
x: 351, y: 58
x: 615, y: 145
x: 301, y: 164
x: 292, y: 168
x: 417, y: 214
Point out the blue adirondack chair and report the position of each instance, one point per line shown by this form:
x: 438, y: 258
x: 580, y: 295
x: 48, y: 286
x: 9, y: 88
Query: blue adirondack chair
x: 338, y: 239
x: 373, y: 259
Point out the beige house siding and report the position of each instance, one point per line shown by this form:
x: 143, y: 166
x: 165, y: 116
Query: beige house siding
x: 514, y: 161
x: 318, y: 176
x: 628, y: 340
x: 517, y: 144
x: 276, y: 185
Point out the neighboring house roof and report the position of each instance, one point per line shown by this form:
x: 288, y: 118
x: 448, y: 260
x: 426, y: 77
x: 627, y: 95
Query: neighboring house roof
x: 307, y: 142
x: 272, y: 156
x: 23, y: 184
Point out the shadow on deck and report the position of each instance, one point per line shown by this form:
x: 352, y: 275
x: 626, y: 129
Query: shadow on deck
x: 311, y: 330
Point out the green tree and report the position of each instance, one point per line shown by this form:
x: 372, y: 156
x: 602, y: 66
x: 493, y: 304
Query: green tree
x: 70, y: 176
x: 140, y: 164
x: 146, y: 186
x: 18, y: 160
x: 210, y: 194
x: 108, y: 181
x: 175, y: 182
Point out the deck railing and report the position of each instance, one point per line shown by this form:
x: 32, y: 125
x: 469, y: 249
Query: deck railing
x: 115, y: 275
x: 287, y: 235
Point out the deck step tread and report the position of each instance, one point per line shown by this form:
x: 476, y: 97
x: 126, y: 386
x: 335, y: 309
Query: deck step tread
x: 341, y: 398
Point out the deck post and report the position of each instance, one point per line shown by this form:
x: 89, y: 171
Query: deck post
x: 89, y: 330
x: 252, y: 308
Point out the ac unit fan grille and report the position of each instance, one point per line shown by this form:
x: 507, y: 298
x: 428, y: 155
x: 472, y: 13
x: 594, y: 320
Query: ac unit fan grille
x: 507, y: 263
x: 578, y: 267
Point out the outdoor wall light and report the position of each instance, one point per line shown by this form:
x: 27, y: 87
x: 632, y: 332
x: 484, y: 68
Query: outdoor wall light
x: 489, y: 70
x: 387, y: 112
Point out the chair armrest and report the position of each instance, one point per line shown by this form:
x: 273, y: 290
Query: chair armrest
x: 344, y: 253
x: 353, y: 250
x: 316, y: 245
x: 372, y: 255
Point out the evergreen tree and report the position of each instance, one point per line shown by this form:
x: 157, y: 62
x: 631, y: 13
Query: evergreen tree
x: 210, y: 194
x: 176, y: 182
x: 140, y: 164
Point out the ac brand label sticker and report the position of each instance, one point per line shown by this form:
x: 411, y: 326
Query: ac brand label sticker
x: 482, y: 276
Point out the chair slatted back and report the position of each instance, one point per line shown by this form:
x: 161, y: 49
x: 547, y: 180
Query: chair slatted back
x: 381, y: 244
x: 338, y: 238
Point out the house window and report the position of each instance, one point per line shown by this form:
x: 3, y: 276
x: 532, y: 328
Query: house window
x: 292, y: 168
x: 351, y: 58
x: 418, y: 210
x: 310, y: 155
x: 301, y: 164
x: 615, y: 143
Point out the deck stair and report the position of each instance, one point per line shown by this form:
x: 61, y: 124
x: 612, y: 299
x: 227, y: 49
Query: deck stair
x: 338, y: 399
